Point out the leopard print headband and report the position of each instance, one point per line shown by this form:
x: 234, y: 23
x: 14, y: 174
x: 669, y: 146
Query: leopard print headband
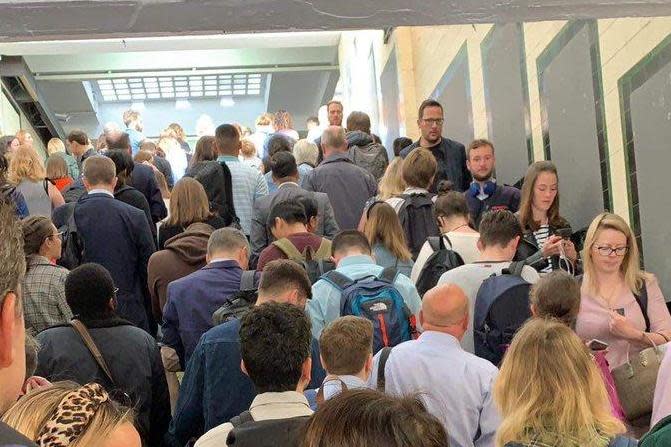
x: 72, y: 416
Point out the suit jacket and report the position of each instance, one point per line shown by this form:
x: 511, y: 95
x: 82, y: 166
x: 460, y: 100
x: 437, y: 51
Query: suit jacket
x: 261, y: 236
x: 142, y: 178
x: 117, y: 236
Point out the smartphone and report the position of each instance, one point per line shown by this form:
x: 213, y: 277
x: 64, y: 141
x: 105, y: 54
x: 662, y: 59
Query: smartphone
x: 597, y: 345
x: 564, y: 233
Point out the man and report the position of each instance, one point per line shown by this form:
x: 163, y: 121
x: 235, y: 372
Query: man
x: 500, y: 233
x: 314, y: 130
x: 80, y: 147
x: 249, y: 184
x: 348, y: 186
x: 455, y: 386
x: 214, y: 389
x: 192, y: 300
x: 363, y: 149
x: 352, y: 256
x: 285, y: 175
x: 12, y: 329
x: 288, y: 224
x: 275, y: 346
x: 334, y: 110
x: 134, y: 127
x: 450, y: 155
x: 117, y: 236
x: 485, y: 194
x: 161, y: 163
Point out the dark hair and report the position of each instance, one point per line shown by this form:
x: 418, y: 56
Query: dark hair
x: 205, y: 150
x: 289, y: 211
x: 32, y: 348
x: 275, y: 341
x: 124, y: 165
x: 36, y: 229
x: 281, y: 275
x: 427, y: 103
x: 79, y: 137
x: 227, y: 139
x: 401, y: 143
x: 4, y: 165
x: 118, y: 140
x: 283, y: 165
x: 527, y: 195
x: 5, y: 142
x: 347, y: 239
x: 88, y: 290
x: 278, y: 143
x: 13, y: 266
x: 499, y: 227
x: 367, y: 418
x: 450, y: 203
x: 557, y: 295
x: 358, y: 121
x: 309, y: 205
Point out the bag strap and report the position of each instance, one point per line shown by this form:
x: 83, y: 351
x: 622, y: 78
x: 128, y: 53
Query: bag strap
x: 515, y: 268
x: 289, y: 249
x: 384, y: 356
x: 388, y: 274
x: 319, y: 398
x: 642, y: 301
x: 324, y: 250
x: 337, y: 279
x: 79, y: 327
x: 242, y: 418
x: 46, y: 186
x: 247, y: 280
x: 435, y: 242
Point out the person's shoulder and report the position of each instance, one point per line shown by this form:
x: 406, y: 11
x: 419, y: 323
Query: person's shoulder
x: 12, y: 438
x: 215, y: 436
x: 223, y: 333
x: 452, y: 143
x: 456, y: 274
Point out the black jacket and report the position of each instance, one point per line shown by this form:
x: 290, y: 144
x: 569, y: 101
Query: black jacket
x: 133, y: 197
x: 134, y: 361
x: 529, y: 251
x: 504, y: 198
x: 142, y: 178
x: 451, y: 158
x: 11, y: 438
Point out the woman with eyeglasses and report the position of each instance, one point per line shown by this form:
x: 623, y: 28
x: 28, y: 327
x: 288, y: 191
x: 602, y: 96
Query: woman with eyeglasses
x: 43, y: 286
x: 611, y: 308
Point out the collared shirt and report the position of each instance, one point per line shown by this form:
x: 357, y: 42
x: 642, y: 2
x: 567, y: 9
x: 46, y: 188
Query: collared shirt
x: 266, y: 406
x: 248, y: 185
x: 43, y: 288
x: 455, y: 386
x: 396, y: 202
x: 303, y: 170
x: 101, y: 191
x: 333, y: 387
x: 324, y: 307
x: 136, y: 138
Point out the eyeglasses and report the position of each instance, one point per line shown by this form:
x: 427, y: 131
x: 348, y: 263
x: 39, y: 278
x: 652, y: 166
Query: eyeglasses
x: 432, y: 121
x: 607, y: 251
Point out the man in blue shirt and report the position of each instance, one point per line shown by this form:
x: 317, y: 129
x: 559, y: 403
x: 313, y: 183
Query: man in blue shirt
x: 352, y: 255
x: 134, y: 127
x: 214, y: 389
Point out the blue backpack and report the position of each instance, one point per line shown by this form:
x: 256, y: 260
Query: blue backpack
x: 501, y: 308
x: 377, y: 300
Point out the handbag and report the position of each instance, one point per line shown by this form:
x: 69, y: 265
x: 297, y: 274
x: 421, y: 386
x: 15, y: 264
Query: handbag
x: 636, y: 379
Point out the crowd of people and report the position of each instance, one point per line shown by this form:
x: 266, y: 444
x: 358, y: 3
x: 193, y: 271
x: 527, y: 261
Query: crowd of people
x: 265, y: 289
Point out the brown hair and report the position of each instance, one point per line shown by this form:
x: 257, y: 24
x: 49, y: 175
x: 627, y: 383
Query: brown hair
x: 56, y: 167
x: 205, y: 150
x: 265, y: 119
x: 26, y: 164
x: 383, y: 226
x: 334, y: 101
x: 346, y: 344
x: 13, y: 266
x: 419, y: 168
x: 450, y: 203
x: 21, y: 136
x: 179, y: 131
x: 475, y: 144
x: 427, y: 103
x: 227, y: 139
x: 36, y: 230
x: 358, y: 121
x: 283, y: 120
x: 248, y: 149
x: 556, y: 295
x: 79, y: 137
x: 527, y: 195
x: 130, y: 115
x: 281, y: 275
x: 499, y: 227
x: 188, y: 203
x: 99, y: 169
x: 143, y: 156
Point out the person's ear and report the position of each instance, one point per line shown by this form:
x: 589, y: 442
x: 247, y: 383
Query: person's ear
x: 111, y: 304
x: 242, y: 368
x: 87, y: 185
x: 421, y: 318
x: 8, y: 322
x: 207, y: 258
x: 480, y: 245
x: 534, y: 311
x: 323, y: 363
x: 514, y: 243
x: 114, y: 182
x: 306, y: 374
x: 419, y: 121
x: 368, y: 367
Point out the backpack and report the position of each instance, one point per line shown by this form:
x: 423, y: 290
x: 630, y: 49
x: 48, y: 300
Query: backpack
x: 441, y: 260
x: 417, y: 220
x: 247, y: 432
x: 376, y: 299
x: 373, y: 158
x: 238, y: 304
x: 501, y: 308
x: 315, y: 264
x: 72, y: 246
x: 217, y: 182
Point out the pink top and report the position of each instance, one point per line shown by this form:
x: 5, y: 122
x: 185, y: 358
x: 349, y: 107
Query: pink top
x: 661, y: 406
x: 594, y: 317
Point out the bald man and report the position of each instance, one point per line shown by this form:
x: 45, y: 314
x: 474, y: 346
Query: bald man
x: 456, y: 386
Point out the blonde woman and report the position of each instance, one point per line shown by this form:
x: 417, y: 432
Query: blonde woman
x: 612, y: 286
x: 27, y: 172
x: 175, y: 156
x: 56, y: 146
x: 550, y: 392
x: 68, y: 415
x: 390, y: 185
x: 386, y: 237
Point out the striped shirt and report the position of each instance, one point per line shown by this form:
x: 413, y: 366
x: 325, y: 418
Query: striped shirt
x: 542, y: 235
x: 248, y: 185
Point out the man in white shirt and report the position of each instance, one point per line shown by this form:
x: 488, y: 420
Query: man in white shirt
x: 454, y: 385
x: 500, y: 233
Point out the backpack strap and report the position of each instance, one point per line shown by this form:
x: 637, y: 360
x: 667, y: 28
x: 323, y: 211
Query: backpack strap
x: 642, y: 301
x: 247, y: 280
x: 434, y: 242
x: 289, y: 249
x: 337, y: 279
x: 324, y: 250
x: 389, y: 275
x: 382, y: 363
x: 515, y: 268
x: 242, y: 418
x: 80, y: 329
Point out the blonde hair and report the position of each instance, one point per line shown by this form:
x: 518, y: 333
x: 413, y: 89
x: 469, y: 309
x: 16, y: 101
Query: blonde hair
x: 392, y: 184
x: 634, y: 277
x: 26, y: 164
x: 33, y: 411
x: 179, y: 131
x: 55, y: 145
x: 265, y: 119
x: 130, y: 115
x: 188, y: 203
x: 247, y: 148
x: 21, y: 136
x: 383, y: 226
x: 306, y: 151
x: 548, y: 382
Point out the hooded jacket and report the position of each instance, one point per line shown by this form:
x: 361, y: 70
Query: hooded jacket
x: 366, y: 153
x: 183, y: 255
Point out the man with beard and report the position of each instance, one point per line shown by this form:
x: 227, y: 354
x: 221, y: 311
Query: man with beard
x: 449, y: 154
x: 485, y: 194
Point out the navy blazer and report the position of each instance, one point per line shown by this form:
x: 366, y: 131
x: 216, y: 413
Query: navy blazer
x: 142, y: 178
x: 117, y: 236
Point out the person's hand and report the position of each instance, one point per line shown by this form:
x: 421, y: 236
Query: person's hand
x: 621, y: 327
x: 569, y: 250
x: 551, y: 246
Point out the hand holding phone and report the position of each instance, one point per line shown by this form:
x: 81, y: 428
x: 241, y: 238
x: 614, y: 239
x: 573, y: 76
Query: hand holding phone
x: 564, y: 233
x: 597, y: 345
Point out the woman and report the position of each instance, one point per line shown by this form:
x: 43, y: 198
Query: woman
x: 556, y: 295
x: 9, y: 193
x: 306, y: 154
x: 205, y: 150
x: 43, y: 286
x: 123, y: 191
x: 180, y: 135
x: 283, y: 123
x: 390, y: 185
x: 25, y: 138
x: 452, y: 214
x: 27, y: 172
x: 248, y: 155
x: 68, y: 415
x: 57, y: 171
x: 550, y: 393
x: 386, y: 237
x: 188, y: 204
x: 8, y: 145
x: 367, y: 418
x: 175, y: 156
x: 542, y: 247
x: 611, y: 287
x: 56, y: 146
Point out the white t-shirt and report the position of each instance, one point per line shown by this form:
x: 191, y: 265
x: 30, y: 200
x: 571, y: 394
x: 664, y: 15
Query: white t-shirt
x: 466, y: 244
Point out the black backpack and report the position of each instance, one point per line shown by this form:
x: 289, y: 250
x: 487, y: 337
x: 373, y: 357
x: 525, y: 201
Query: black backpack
x: 501, y: 308
x: 417, y: 220
x: 72, y: 246
x: 373, y: 158
x: 238, y: 304
x: 217, y: 182
x: 441, y: 260
x: 247, y: 432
